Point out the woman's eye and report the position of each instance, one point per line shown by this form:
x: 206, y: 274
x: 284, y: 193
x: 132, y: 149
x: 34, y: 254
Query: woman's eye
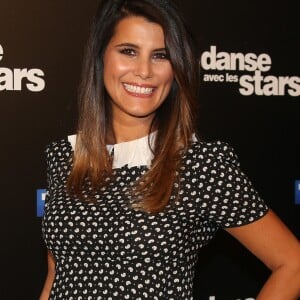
x: 160, y: 55
x: 128, y: 51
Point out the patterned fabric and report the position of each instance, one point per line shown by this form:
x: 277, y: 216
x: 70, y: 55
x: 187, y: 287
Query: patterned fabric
x: 106, y: 250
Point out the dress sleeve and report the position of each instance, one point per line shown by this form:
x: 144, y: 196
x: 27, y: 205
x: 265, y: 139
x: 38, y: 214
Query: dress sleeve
x: 228, y: 197
x: 57, y: 165
x: 50, y: 172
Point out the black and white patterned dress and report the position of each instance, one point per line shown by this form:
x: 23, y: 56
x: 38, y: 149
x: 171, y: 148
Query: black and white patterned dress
x: 106, y: 250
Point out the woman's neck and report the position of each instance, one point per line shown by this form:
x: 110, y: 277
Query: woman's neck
x: 128, y: 131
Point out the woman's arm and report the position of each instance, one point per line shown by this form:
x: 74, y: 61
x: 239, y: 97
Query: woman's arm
x: 50, y: 277
x: 272, y: 242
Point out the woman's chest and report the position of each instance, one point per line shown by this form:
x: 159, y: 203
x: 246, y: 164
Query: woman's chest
x: 112, y: 228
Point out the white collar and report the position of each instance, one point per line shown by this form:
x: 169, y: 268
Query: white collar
x: 132, y: 153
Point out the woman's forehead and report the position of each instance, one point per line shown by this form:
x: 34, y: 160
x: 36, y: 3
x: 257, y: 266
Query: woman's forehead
x: 138, y: 30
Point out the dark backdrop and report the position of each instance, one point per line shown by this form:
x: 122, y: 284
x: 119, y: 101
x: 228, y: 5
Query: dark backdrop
x: 47, y: 39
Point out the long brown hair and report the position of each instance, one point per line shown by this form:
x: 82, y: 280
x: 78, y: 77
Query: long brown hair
x: 174, y: 120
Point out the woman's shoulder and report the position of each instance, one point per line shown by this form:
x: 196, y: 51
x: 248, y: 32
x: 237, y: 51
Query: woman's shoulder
x: 60, y: 149
x: 212, y: 150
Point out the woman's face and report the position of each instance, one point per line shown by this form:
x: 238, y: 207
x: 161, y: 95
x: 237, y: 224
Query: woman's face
x: 137, y: 72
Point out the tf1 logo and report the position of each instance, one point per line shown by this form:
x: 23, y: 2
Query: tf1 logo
x: 297, y: 192
x: 214, y: 298
x: 40, y: 202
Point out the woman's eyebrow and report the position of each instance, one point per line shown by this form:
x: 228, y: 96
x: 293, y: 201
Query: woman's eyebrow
x: 127, y: 45
x: 137, y: 47
x: 160, y: 49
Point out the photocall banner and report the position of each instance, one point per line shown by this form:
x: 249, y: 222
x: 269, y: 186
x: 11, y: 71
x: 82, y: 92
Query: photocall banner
x: 249, y: 96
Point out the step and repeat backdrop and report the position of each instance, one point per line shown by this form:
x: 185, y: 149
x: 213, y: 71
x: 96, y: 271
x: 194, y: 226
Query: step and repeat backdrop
x: 250, y: 97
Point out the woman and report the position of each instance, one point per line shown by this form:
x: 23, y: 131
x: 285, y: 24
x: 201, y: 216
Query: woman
x: 135, y: 194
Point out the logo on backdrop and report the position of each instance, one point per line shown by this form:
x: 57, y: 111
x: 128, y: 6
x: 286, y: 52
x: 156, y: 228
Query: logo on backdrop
x: 18, y: 79
x: 297, y: 192
x: 256, y: 82
x: 40, y: 202
x: 214, y: 298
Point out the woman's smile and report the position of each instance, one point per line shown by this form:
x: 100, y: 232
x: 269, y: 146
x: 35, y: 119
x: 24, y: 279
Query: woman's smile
x: 143, y: 90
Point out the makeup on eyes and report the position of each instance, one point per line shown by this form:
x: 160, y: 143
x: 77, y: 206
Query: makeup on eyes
x: 132, y: 50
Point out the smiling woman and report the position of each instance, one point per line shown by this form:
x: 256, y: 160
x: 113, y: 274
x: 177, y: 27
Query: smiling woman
x: 135, y: 194
x: 137, y: 75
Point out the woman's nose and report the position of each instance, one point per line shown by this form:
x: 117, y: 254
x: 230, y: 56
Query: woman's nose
x: 143, y: 68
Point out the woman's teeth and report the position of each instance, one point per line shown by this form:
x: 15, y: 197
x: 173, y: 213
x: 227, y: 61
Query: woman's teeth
x: 138, y: 89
